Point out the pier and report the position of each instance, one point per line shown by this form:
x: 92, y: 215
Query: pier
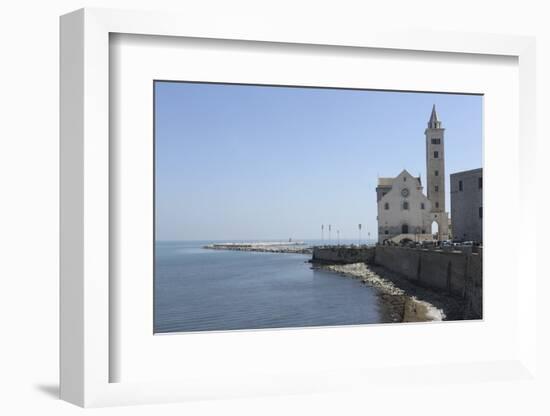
x: 297, y: 247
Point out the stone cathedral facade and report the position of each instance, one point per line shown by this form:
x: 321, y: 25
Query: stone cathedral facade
x: 403, y: 209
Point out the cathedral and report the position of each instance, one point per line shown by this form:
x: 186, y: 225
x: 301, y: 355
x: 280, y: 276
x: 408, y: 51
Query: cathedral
x: 404, y: 212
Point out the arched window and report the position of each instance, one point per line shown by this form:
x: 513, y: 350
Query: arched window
x: 404, y: 229
x: 422, y: 205
x: 386, y: 206
x: 405, y: 205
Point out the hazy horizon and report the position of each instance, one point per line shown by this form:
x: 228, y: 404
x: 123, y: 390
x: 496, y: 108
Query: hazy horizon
x: 238, y: 162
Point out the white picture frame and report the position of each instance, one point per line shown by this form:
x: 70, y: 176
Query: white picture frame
x: 87, y: 263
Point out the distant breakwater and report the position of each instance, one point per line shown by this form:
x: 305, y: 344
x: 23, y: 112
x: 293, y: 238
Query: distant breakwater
x: 264, y: 247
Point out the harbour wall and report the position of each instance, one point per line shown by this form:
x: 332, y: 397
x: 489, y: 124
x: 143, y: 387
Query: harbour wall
x: 452, y: 272
x: 343, y: 254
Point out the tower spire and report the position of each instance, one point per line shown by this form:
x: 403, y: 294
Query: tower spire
x: 434, y: 122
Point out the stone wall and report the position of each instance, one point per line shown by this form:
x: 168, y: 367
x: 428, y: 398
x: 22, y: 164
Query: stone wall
x: 474, y: 288
x: 466, y: 205
x: 452, y: 272
x: 456, y: 273
x: 342, y: 254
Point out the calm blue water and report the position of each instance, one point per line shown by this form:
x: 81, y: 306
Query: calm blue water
x: 200, y: 290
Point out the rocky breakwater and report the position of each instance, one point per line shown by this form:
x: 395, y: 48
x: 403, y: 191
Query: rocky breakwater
x: 401, y: 300
x: 264, y: 247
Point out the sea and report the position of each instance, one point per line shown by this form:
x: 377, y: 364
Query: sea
x: 198, y: 289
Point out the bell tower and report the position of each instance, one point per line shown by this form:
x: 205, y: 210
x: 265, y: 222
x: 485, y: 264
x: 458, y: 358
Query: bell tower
x: 435, y: 163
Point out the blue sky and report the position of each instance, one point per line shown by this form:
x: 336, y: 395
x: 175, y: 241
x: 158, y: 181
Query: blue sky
x: 240, y: 162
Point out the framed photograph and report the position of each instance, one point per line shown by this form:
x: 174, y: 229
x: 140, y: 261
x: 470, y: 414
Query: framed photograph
x: 239, y: 167
x: 239, y: 209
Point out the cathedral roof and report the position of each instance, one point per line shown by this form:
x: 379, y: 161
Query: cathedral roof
x: 388, y: 182
x: 385, y: 181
